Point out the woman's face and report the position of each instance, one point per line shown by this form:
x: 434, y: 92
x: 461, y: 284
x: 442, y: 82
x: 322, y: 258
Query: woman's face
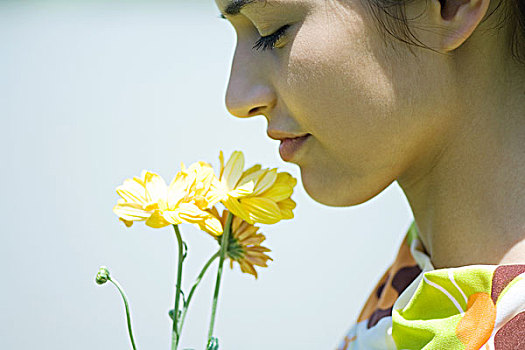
x: 372, y: 111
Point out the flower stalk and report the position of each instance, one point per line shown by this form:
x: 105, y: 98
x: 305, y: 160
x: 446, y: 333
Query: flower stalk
x: 192, y: 291
x: 128, y: 314
x: 223, y: 251
x: 103, y: 276
x: 175, y: 334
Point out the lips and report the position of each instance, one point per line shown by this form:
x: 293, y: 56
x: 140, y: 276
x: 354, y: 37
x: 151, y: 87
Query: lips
x: 290, y: 146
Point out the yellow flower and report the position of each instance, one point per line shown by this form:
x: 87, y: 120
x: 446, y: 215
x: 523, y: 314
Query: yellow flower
x: 139, y: 200
x: 201, y: 184
x: 187, y: 199
x: 244, y: 245
x: 191, y: 195
x: 256, y: 194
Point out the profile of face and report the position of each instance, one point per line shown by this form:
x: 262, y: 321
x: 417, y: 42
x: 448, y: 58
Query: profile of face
x: 356, y: 110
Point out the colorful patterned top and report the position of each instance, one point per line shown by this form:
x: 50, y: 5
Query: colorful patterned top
x: 415, y: 306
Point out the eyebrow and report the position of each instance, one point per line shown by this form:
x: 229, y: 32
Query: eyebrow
x: 235, y: 7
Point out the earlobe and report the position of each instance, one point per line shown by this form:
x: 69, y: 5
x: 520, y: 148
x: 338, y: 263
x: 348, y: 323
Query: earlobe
x: 458, y: 20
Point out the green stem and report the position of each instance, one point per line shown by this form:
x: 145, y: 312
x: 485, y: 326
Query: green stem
x: 197, y: 281
x: 222, y: 252
x: 128, y: 316
x: 175, y: 336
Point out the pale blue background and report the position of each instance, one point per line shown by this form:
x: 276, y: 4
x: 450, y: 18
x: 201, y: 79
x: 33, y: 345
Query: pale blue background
x: 90, y: 94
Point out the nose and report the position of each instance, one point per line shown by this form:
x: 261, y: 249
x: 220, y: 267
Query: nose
x: 249, y: 92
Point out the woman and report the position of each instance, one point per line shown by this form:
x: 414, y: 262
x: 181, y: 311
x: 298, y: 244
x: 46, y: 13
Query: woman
x: 431, y: 94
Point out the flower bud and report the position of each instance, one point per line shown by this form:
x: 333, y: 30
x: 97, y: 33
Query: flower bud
x: 102, y: 275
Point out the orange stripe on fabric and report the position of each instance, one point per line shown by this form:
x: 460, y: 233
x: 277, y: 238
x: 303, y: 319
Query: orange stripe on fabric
x: 475, y: 328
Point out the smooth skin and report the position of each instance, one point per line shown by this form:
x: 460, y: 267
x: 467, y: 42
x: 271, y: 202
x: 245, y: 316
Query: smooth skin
x: 448, y: 124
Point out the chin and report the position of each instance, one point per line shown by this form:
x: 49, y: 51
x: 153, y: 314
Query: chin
x: 339, y: 191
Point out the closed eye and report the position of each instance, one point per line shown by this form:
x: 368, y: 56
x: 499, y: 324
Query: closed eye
x: 269, y: 41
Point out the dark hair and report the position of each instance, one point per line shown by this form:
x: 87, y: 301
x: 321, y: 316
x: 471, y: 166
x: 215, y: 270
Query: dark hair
x: 392, y: 19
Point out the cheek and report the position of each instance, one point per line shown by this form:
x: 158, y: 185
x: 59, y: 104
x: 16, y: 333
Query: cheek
x: 369, y: 110
x: 335, y: 87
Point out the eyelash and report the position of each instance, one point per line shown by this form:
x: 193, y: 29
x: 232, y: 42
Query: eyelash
x: 269, y: 41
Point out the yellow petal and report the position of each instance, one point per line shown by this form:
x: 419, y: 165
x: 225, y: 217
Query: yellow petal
x: 251, y: 170
x: 243, y: 190
x: 205, y: 185
x: 286, y: 207
x: 281, y: 189
x: 126, y: 222
x: 213, y: 211
x: 287, y: 179
x: 236, y: 208
x: 247, y: 268
x: 255, y: 240
x: 215, y: 195
x: 172, y: 216
x: 202, y: 171
x: 287, y: 214
x: 206, y: 177
x: 256, y: 258
x: 191, y: 213
x: 177, y: 190
x: 155, y: 187
x: 236, y: 224
x: 287, y: 204
x: 132, y: 191
x: 221, y: 161
x: 278, y: 192
x: 253, y: 177
x: 262, y: 210
x: 233, y: 170
x: 265, y: 182
x: 131, y: 212
x: 211, y: 225
x: 156, y: 220
x: 140, y: 179
x: 247, y: 232
x: 261, y: 250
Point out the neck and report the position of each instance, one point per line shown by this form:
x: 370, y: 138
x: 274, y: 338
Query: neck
x: 469, y: 201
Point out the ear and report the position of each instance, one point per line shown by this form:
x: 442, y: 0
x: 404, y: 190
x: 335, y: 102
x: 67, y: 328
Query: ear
x: 458, y: 19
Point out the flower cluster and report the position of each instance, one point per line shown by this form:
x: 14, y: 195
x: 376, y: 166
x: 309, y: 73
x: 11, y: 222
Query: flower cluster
x: 255, y: 195
x: 250, y: 196
x: 187, y: 199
